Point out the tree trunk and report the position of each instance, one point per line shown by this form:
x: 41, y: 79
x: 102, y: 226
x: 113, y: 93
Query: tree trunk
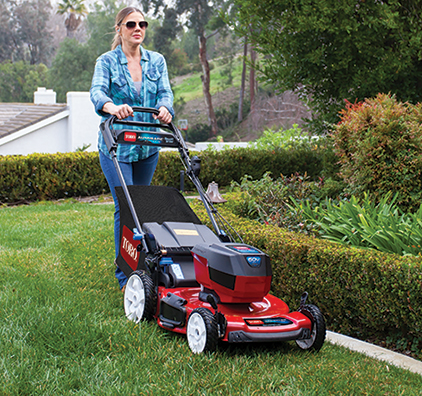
x: 252, y: 83
x: 242, y: 84
x: 206, y: 83
x: 72, y: 22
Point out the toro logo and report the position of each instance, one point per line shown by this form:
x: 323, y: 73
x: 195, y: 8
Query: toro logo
x: 128, y: 248
x: 130, y: 137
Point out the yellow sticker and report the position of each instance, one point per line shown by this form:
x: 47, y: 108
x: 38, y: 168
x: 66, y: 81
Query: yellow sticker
x: 179, y: 231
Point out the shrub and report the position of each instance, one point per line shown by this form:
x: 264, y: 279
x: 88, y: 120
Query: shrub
x: 270, y: 200
x: 50, y: 176
x: 282, y: 139
x: 379, y: 144
x: 53, y: 176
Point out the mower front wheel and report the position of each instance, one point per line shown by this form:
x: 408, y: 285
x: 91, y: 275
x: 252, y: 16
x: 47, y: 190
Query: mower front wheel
x: 202, y: 331
x: 140, y: 299
x: 318, y: 329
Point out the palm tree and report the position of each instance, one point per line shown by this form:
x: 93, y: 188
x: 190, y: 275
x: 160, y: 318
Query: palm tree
x: 74, y: 10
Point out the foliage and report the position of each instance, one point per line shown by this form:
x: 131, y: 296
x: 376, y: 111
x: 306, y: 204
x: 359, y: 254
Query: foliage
x: 72, y: 68
x: 19, y: 81
x: 7, y: 44
x: 50, y: 176
x: 227, y: 116
x: 226, y: 120
x: 32, y: 33
x: 379, y: 142
x: 24, y: 31
x: 199, y: 133
x: 362, y: 293
x: 331, y: 51
x: 363, y: 223
x: 53, y: 176
x: 202, y: 15
x: 74, y: 10
x: 282, y: 139
x: 163, y: 40
x: 270, y: 200
x: 73, y: 65
x: 100, y: 26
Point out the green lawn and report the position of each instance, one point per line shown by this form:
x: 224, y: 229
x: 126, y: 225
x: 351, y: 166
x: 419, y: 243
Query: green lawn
x: 63, y: 329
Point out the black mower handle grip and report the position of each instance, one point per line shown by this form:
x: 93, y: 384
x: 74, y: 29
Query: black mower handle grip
x: 137, y: 109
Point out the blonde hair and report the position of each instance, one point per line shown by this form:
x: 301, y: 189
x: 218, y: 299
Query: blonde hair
x: 120, y: 17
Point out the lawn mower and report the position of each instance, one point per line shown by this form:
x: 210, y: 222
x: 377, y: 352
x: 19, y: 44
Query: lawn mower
x: 192, y: 280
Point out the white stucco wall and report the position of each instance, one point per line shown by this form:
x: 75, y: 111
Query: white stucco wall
x: 84, y: 123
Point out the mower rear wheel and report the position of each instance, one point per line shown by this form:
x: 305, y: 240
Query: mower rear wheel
x: 140, y: 299
x: 318, y: 329
x: 202, y: 331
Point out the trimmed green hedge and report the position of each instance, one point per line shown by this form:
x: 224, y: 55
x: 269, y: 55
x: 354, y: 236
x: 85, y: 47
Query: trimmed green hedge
x: 53, y: 176
x: 50, y: 176
x: 362, y: 293
x: 232, y: 164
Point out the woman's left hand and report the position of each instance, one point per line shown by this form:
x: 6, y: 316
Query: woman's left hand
x: 163, y: 115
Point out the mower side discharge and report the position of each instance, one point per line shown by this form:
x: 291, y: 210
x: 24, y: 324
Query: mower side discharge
x: 206, y: 284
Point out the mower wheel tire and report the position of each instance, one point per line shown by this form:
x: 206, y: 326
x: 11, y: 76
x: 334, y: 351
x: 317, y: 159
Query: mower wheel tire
x: 140, y: 299
x: 202, y: 331
x: 318, y: 329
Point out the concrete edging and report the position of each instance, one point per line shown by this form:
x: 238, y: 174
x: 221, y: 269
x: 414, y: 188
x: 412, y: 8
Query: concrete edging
x: 374, y: 351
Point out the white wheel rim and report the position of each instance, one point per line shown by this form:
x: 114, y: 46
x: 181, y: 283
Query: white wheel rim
x: 306, y: 344
x: 134, y: 298
x: 196, y: 333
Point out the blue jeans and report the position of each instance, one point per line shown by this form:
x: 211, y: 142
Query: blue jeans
x: 134, y: 173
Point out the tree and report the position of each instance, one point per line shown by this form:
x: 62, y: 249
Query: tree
x: 75, y: 10
x: 199, y: 13
x: 24, y: 31
x: 100, y: 26
x: 164, y: 36
x: 19, y: 81
x: 31, y: 23
x: 335, y: 50
x: 6, y: 38
x: 242, y: 82
x: 72, y: 68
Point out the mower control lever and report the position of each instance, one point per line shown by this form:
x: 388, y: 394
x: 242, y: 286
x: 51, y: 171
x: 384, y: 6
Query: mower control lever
x: 303, y: 300
x: 196, y: 165
x: 211, y: 300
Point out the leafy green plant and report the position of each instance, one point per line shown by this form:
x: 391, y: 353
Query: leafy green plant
x: 269, y: 200
x: 282, y: 139
x: 365, y: 223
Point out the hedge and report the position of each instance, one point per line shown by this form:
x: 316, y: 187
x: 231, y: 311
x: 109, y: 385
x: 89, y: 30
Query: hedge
x: 53, y: 176
x: 363, y: 293
x: 50, y: 176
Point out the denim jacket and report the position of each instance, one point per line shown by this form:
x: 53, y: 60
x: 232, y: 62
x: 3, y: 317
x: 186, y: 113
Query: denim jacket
x: 112, y: 82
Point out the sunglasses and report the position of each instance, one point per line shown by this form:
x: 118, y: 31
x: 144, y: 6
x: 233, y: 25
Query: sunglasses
x: 132, y: 25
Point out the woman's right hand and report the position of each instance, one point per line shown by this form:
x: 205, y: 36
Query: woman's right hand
x: 120, y: 111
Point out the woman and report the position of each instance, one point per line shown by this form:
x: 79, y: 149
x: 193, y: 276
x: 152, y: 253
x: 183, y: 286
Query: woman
x: 127, y: 76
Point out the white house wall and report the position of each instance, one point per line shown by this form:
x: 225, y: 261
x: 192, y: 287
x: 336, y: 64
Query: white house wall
x: 84, y: 123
